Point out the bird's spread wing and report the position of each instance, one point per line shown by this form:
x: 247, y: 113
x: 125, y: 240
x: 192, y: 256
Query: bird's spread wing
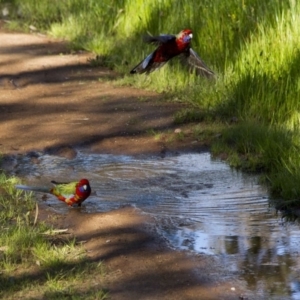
x: 146, y: 61
x: 196, y: 63
x: 159, y: 39
x: 147, y: 65
x: 155, y: 66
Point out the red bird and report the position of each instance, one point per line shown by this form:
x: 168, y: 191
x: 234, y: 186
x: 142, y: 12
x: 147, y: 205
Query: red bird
x: 170, y: 46
x: 70, y: 193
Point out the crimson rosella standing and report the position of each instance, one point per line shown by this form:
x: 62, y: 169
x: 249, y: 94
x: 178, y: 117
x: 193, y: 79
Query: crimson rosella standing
x: 70, y: 193
x: 170, y: 46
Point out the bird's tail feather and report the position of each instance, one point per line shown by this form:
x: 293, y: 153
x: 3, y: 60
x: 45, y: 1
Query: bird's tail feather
x: 33, y: 188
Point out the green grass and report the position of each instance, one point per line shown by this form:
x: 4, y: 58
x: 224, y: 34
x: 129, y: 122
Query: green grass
x: 35, y: 261
x: 252, y: 45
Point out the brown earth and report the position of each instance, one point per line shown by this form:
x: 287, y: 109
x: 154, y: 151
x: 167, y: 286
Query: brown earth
x: 53, y: 100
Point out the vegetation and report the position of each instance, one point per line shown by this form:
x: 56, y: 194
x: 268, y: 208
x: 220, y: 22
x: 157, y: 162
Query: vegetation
x: 252, y: 45
x: 35, y: 261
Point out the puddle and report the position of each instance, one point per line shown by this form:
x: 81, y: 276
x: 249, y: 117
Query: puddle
x: 200, y: 204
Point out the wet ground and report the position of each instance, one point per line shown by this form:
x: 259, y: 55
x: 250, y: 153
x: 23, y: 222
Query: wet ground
x: 199, y: 204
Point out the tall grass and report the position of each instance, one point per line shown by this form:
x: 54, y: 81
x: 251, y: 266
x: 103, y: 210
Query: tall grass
x: 115, y: 27
x: 252, y: 45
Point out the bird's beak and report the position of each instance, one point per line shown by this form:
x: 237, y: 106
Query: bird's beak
x: 191, y: 35
x: 85, y: 187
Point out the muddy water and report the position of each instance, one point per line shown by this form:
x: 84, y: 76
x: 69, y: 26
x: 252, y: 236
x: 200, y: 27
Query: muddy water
x: 200, y: 205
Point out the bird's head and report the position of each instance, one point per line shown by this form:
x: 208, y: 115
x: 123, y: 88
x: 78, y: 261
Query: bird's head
x: 84, y: 186
x: 185, y: 36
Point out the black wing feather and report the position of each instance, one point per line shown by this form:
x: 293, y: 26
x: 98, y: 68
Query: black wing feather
x: 197, y: 64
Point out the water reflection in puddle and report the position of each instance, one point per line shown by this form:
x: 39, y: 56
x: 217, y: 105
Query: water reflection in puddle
x: 200, y: 205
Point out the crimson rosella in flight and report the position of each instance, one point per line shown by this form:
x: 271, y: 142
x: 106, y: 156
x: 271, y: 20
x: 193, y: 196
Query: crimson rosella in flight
x: 170, y: 46
x: 70, y: 193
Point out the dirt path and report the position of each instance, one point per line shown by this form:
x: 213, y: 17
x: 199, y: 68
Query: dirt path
x: 52, y: 100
